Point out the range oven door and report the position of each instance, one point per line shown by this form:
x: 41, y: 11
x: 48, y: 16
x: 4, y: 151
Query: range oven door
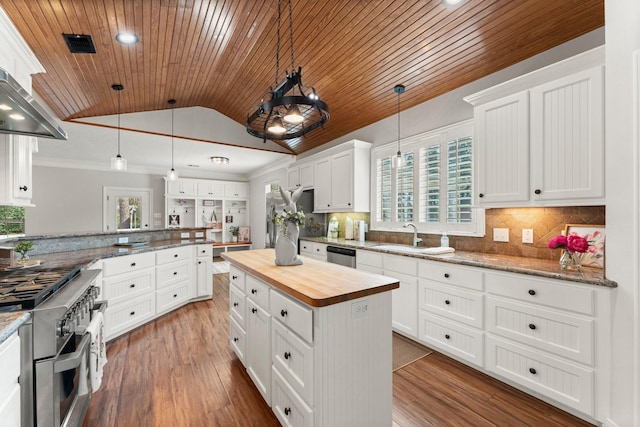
x: 61, y: 389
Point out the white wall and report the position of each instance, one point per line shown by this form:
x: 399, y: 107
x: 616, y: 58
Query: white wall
x: 70, y: 200
x: 622, y: 81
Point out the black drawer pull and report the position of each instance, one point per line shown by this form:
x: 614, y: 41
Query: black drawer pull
x: 236, y: 339
x: 175, y: 273
x: 234, y: 277
x: 537, y: 191
x: 254, y: 291
x: 533, y: 371
x: 175, y: 295
x: 133, y: 264
x: 199, y: 262
x: 447, y: 336
x: 481, y: 195
x: 254, y: 310
x: 25, y: 188
x: 283, y: 313
x: 133, y: 285
x: 235, y: 304
x: 287, y: 355
x: 133, y: 313
x: 532, y: 326
x: 446, y: 275
x: 532, y: 292
x: 175, y: 255
x: 287, y: 411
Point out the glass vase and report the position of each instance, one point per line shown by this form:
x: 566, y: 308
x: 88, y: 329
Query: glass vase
x: 571, y: 261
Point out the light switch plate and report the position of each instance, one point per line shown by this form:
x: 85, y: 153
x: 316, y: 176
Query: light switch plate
x: 184, y: 235
x: 527, y: 235
x: 500, y: 234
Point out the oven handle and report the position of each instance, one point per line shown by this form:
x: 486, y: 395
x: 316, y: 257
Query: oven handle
x: 72, y: 360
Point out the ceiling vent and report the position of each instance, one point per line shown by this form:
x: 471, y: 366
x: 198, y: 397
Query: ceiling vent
x: 79, y: 43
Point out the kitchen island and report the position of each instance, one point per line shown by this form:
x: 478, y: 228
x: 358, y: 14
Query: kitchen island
x: 314, y: 338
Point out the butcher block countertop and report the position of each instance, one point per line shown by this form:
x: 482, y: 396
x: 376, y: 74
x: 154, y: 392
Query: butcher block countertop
x: 315, y: 283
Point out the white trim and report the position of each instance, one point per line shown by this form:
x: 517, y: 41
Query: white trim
x: 106, y: 190
x: 636, y: 271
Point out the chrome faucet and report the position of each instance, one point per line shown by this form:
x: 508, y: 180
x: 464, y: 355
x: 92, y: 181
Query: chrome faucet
x: 416, y: 239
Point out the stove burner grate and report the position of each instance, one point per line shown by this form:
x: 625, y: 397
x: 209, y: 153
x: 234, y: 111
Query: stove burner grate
x: 30, y: 289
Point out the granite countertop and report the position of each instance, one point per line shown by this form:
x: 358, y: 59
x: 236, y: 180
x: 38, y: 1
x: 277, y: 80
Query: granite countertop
x: 531, y: 266
x: 10, y: 322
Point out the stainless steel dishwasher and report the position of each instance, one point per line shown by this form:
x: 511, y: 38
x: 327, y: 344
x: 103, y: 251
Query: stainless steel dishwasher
x: 342, y: 256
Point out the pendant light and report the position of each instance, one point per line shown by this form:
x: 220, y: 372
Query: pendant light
x: 172, y: 175
x: 118, y: 162
x: 397, y: 160
x: 292, y: 110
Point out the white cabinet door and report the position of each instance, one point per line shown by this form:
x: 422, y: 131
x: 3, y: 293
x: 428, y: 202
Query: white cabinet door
x: 22, y: 167
x: 342, y: 181
x: 259, y: 348
x: 211, y: 189
x: 567, y: 138
x: 404, y: 306
x: 293, y: 178
x: 204, y: 277
x: 322, y: 193
x: 236, y: 190
x: 503, y: 150
x: 181, y: 188
x: 305, y: 175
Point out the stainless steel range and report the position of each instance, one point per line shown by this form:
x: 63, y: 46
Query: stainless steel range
x: 55, y: 377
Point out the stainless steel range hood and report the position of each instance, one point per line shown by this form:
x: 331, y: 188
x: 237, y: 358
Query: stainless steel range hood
x: 20, y: 114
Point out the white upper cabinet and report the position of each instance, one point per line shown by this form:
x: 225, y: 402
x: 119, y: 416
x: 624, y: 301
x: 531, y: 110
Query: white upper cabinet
x: 540, y: 137
x: 341, y: 178
x: 239, y: 190
x: 181, y: 188
x: 16, y: 185
x: 300, y: 176
x: 211, y: 189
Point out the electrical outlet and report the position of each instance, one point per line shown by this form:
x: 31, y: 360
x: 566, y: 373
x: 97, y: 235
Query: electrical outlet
x: 359, y: 308
x: 500, y: 234
x: 527, y: 235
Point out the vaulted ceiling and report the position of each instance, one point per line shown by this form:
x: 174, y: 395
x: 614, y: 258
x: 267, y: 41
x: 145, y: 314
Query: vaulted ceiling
x: 220, y: 54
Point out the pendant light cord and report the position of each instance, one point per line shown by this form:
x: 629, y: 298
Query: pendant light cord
x: 278, y: 44
x: 118, y: 123
x: 172, y: 107
x: 291, y: 35
x: 398, y: 122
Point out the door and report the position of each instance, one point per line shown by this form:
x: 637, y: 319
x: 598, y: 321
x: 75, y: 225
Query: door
x: 342, y: 181
x: 126, y: 209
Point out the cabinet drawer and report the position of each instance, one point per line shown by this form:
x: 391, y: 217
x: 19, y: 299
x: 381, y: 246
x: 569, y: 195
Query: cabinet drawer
x: 370, y: 258
x: 10, y: 363
x: 174, y: 254
x: 258, y: 291
x: 125, y: 316
x: 237, y: 305
x: 552, y: 293
x: 289, y: 408
x: 562, y: 334
x: 127, y: 263
x: 400, y: 264
x: 204, y: 251
x: 125, y: 286
x: 237, y: 339
x: 454, y: 338
x: 293, y: 358
x: 169, y: 298
x: 236, y: 277
x: 564, y: 382
x: 451, y: 302
x: 168, y: 275
x: 293, y: 314
x: 471, y: 278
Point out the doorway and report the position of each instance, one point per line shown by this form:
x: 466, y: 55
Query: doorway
x: 126, y: 209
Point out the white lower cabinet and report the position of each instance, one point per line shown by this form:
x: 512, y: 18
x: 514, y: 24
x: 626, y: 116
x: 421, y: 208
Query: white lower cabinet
x: 204, y: 270
x: 452, y: 338
x: 259, y: 348
x: 290, y: 410
x: 174, y: 279
x: 9, y: 382
x: 314, y: 250
x: 404, y: 308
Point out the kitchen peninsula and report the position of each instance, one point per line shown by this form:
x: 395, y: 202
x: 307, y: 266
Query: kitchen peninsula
x: 315, y: 338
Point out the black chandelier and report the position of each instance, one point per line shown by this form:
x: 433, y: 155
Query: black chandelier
x: 292, y: 109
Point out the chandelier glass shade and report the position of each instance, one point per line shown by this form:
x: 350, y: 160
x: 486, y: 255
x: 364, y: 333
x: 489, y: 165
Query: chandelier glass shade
x: 118, y: 162
x: 291, y: 109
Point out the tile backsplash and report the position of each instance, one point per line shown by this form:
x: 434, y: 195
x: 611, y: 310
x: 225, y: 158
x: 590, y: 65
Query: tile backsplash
x: 545, y: 222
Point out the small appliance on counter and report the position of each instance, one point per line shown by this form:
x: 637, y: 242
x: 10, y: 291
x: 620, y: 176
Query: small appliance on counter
x: 332, y: 230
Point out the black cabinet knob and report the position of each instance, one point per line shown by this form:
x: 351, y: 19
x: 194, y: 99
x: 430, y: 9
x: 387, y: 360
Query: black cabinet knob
x: 235, y: 304
x: 199, y: 262
x: 25, y: 188
x: 133, y: 285
x: 133, y: 264
x: 532, y: 326
x: 236, y: 339
x: 447, y: 302
x: 532, y: 292
x: 287, y: 355
x: 254, y: 310
x: 234, y: 277
x: 446, y: 275
x: 132, y: 313
x: 537, y: 191
x: 254, y: 291
x: 175, y: 255
x: 287, y: 411
x: 481, y: 195
x: 175, y: 295
x: 533, y: 371
x: 447, y: 336
x: 283, y: 313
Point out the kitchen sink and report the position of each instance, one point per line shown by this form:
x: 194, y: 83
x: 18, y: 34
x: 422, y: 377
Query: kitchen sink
x: 414, y: 249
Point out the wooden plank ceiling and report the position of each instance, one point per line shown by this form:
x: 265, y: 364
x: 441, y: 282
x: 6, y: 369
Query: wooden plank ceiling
x: 220, y: 54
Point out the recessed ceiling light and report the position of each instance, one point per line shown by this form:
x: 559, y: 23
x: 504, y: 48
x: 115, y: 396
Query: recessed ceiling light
x: 127, y: 38
x: 5, y: 107
x: 452, y: 4
x: 16, y: 116
x: 218, y: 160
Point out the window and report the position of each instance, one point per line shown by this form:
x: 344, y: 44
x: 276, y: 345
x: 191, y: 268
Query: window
x: 11, y: 220
x: 434, y: 186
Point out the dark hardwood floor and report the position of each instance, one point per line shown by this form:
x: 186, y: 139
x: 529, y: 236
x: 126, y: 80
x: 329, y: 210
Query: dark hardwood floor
x: 179, y: 371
